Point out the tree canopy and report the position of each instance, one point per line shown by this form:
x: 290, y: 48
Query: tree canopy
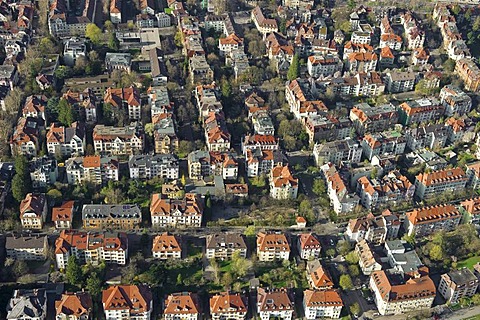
x: 294, y: 69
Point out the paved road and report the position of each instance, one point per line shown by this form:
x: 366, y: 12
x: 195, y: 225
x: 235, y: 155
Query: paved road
x: 462, y: 314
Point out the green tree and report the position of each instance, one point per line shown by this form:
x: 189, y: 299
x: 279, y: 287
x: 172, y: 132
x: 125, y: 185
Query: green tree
x: 355, y: 308
x: 294, y: 69
x: 20, y: 268
x: 113, y: 43
x: 66, y: 114
x: 73, y: 271
x: 94, y: 284
x: 351, y: 258
x: 343, y: 247
x: 178, y: 39
x: 250, y: 231
x: 330, y: 252
x: 240, y: 266
x: 354, y: 270
x: 93, y: 33
x: 436, y: 253
x: 319, y: 187
x: 63, y: 72
x: 226, y: 87
x: 21, y: 183
x: 345, y: 282
x: 449, y: 65
x: 54, y: 196
x: 476, y: 299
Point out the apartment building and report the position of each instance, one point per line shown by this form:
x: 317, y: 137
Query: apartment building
x: 216, y: 133
x: 33, y: 211
x: 421, y: 110
x: 199, y: 70
x: 91, y: 248
x: 117, y: 140
x: 164, y: 166
x: 274, y: 303
x: 468, y: 71
x: 202, y: 164
x: 263, y: 25
x: 230, y: 43
x: 26, y: 247
x: 336, y: 152
x: 262, y: 123
x: 166, y: 246
x: 282, y: 183
x: 324, y: 66
x: 436, y: 182
x: 301, y: 97
x: 159, y: 100
x: 455, y: 100
x: 318, y: 277
x: 257, y: 141
x: 184, y: 305
x: 84, y: 102
x: 368, y: 119
x: 73, y: 49
x: 414, y: 34
x: 34, y: 106
x: 224, y: 245
x: 43, y: 172
x: 111, y: 216
x: 93, y: 169
x: 74, y: 306
x: 186, y: 212
x: 458, y: 284
x: 124, y: 98
x: 367, y: 258
x: 399, y: 81
x: 66, y: 141
x: 28, y: 304
x: 261, y: 162
x: 362, y: 62
x: 164, y: 134
x: 62, y: 216
x: 119, y: 61
x: 308, y: 246
x: 227, y: 305
x: 126, y: 302
x: 432, y: 137
x: 341, y: 199
x: 470, y: 209
x: 272, y: 246
x: 388, y: 142
x: 319, y: 304
x: 374, y: 229
x: 323, y: 127
x: 424, y: 221
x: 25, y: 139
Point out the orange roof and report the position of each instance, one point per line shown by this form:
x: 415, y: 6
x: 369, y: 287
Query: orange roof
x: 322, y: 298
x: 411, y: 110
x: 225, y: 303
x: 386, y: 53
x: 35, y: 104
x: 472, y: 206
x: 64, y: 212
x: 166, y: 242
x: 441, y: 176
x: 362, y: 56
x: 33, y: 203
x: 74, y: 305
x: 190, y: 205
x: 308, y: 240
x: 457, y: 124
x: 475, y: 167
x: 272, y: 240
x: 260, y: 139
x: 421, y: 54
x: 390, y: 37
x: 281, y: 177
x: 90, y: 241
x: 432, y: 214
x: 320, y: 277
x: 182, y: 303
x: 116, y: 97
x: 91, y: 162
x: 232, y: 39
x: 135, y: 298
x: 116, y: 6
x: 273, y: 300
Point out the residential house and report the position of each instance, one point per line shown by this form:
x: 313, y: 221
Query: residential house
x: 336, y: 152
x: 117, y: 140
x: 216, y: 133
x: 105, y: 216
x: 261, y: 162
x: 184, y: 305
x: 324, y: 66
x: 387, y: 58
x: 279, y: 51
x: 74, y: 306
x: 239, y: 190
x: 414, y: 34
x: 458, y: 284
x: 388, y: 142
x: 261, y: 142
x: 470, y: 209
x: 27, y: 304
x: 282, y: 183
x: 62, y: 216
x: 455, y: 100
x: 84, y: 102
x: 225, y: 245
x: 227, y: 305
x: 424, y: 221
x: 340, y: 199
x: 199, y: 70
x: 159, y: 101
x: 468, y: 71
x: 8, y: 76
x: 367, y: 258
x: 164, y: 166
x: 326, y: 127
x: 25, y: 139
x: 73, y: 49
x: 208, y: 99
x: 118, y: 61
x: 272, y: 246
x: 43, y: 172
x: 66, y: 141
x: 360, y: 84
x: 362, y: 62
x: 33, y: 211
x: 318, y: 277
x: 263, y: 25
x: 309, y: 246
x: 433, y: 137
x: 94, y: 169
x: 368, y: 119
x: 164, y: 135
x: 473, y: 175
x: 399, y: 81
x: 35, y: 106
x: 391, y: 40
x: 128, y: 98
x: 166, y: 246
x: 263, y: 124
x: 186, y: 212
x: 127, y: 302
x: 300, y: 96
x: 90, y: 247
x: 202, y: 164
x: 437, y: 182
x: 26, y: 247
x: 459, y: 130
x: 420, y: 110
x: 230, y: 43
x: 274, y: 303
x: 420, y: 57
x: 116, y: 11
x: 374, y: 229
x: 319, y: 304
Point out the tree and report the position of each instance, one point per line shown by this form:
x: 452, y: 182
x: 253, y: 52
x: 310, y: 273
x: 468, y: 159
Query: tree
x: 346, y: 282
x: 227, y: 280
x: 179, y: 279
x: 20, y: 268
x: 250, y: 231
x: 93, y: 33
x: 436, y: 253
x: 354, y: 270
x: 374, y: 173
x: 351, y: 258
x: 13, y: 100
x: 185, y: 147
x: 355, y: 308
x: 73, y: 271
x: 294, y: 69
x: 66, y: 114
x: 449, y: 65
x: 226, y: 87
x: 343, y: 247
x: 54, y: 195
x: 21, y: 183
x: 319, y: 187
x: 476, y: 299
x: 63, y: 72
x: 113, y: 43
x: 94, y: 284
x: 330, y: 252
x: 178, y: 39
x: 149, y: 129
x: 240, y: 266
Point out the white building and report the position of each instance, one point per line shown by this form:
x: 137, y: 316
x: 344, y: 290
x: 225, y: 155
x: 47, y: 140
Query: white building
x: 127, y: 302
x: 320, y: 304
x: 309, y: 246
x: 26, y: 247
x: 272, y: 246
x: 186, y: 212
x: 164, y: 166
x: 282, y: 184
x: 224, y: 245
x: 274, y: 303
x: 166, y: 246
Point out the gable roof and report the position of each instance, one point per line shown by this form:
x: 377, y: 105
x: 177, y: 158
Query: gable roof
x: 136, y: 298
x: 182, y: 303
x: 224, y: 303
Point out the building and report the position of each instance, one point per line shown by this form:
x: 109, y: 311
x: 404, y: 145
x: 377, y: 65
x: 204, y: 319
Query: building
x: 117, y: 140
x: 164, y: 135
x: 424, y: 221
x: 468, y: 71
x: 184, y: 305
x: 230, y: 43
x: 274, y: 303
x: 164, y: 166
x: 35, y: 106
x: 93, y: 169
x: 25, y: 139
x: 437, y: 182
x: 91, y: 248
x: 367, y: 258
x: 272, y: 246
x: 421, y: 110
x: 28, y: 304
x: 166, y: 246
x: 368, y: 119
x: 309, y: 246
x: 319, y: 304
x: 227, y: 305
x: 74, y: 306
x: 374, y: 229
x: 257, y: 141
x: 115, y: 216
x: 325, y: 127
x: 84, y: 102
x: 318, y: 277
x: 263, y: 25
x: 282, y: 183
x: 455, y: 100
x: 33, y: 211
x: 8, y: 76
x: 432, y: 137
x: 116, y: 11
x: 260, y: 162
x: 127, y: 302
x: 216, y: 133
x: 341, y: 199
x: 224, y: 245
x: 399, y: 81
x: 26, y: 247
x: 73, y: 49
x: 186, y: 212
x: 362, y: 62
x: 200, y: 71
x: 118, y: 61
x: 336, y: 152
x: 470, y: 209
x: 66, y: 141
x: 43, y: 172
x: 458, y: 284
x: 324, y: 66
x: 63, y: 216
x: 393, y: 297
x: 124, y: 98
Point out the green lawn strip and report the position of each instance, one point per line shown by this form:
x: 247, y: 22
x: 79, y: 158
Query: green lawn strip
x: 468, y: 263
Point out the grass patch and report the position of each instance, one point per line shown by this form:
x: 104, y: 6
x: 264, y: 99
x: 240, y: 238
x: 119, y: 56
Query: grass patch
x: 474, y: 318
x: 468, y: 263
x: 225, y: 266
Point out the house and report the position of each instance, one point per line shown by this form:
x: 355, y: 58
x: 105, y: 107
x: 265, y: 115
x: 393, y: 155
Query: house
x: 272, y: 246
x: 420, y: 57
x: 62, y: 216
x: 184, y: 305
x: 186, y: 212
x: 459, y: 130
x: 282, y: 183
x: 90, y: 247
x: 368, y: 119
x: 224, y: 245
x: 163, y: 20
x: 260, y: 162
x: 127, y: 302
x: 433, y: 137
x: 8, y: 76
x: 262, y: 124
x: 199, y: 70
x: 29, y: 248
x: 159, y: 100
x: 202, y: 164
x: 473, y: 175
x: 388, y: 142
x: 318, y: 277
x: 116, y: 11
x: 230, y: 43
x: 300, y: 95
x: 424, y: 221
x: 103, y: 216
x: 279, y: 51
x: 216, y: 133
x: 362, y: 62
x: 66, y: 141
x: 166, y: 246
x: 325, y: 127
x: 208, y: 99
x: 414, y: 34
x: 470, y: 209
x: 263, y: 25
x: 399, y: 81
x: 73, y: 49
x: 455, y: 100
x: 421, y: 110
x: 437, y: 182
x: 387, y: 58
x: 35, y: 106
x: 374, y: 229
x: 468, y: 71
x: 117, y: 140
x: 360, y: 84
x: 33, y: 211
x: 84, y: 102
x: 336, y: 152
x: 164, y: 166
x: 367, y: 258
x: 94, y: 169
x: 125, y: 97
x: 341, y: 200
x: 28, y: 304
x: 324, y: 66
x: 164, y: 135
x: 319, y: 304
x: 118, y: 61
x: 391, y: 40
x: 394, y: 297
x: 74, y: 306
x: 239, y: 190
x: 25, y: 139
x: 227, y: 305
x: 458, y: 284
x: 309, y: 246
x: 274, y: 303
x: 258, y: 141
x: 43, y: 172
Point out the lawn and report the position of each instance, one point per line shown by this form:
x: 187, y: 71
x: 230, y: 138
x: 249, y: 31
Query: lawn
x: 474, y: 318
x: 468, y: 263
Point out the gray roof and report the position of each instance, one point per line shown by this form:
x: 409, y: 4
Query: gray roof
x: 197, y: 155
x: 462, y: 276
x: 401, y: 75
x: 152, y: 160
x: 124, y: 59
x: 27, y: 303
x: 115, y: 211
x: 226, y: 240
x: 24, y: 242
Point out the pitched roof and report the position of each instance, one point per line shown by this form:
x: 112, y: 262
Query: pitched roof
x: 191, y: 204
x: 441, y: 176
x: 322, y: 298
x: 136, y: 298
x: 272, y: 240
x: 182, y: 303
x: 74, y: 304
x: 281, y: 177
x: 166, y: 242
x: 230, y: 240
x: 224, y: 303
x: 434, y: 213
x: 64, y: 212
x: 308, y: 240
x: 273, y: 300
x: 33, y: 203
x: 412, y: 289
x: 319, y: 275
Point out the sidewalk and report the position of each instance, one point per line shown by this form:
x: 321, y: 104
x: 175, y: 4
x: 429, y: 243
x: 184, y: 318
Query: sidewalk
x: 462, y: 314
